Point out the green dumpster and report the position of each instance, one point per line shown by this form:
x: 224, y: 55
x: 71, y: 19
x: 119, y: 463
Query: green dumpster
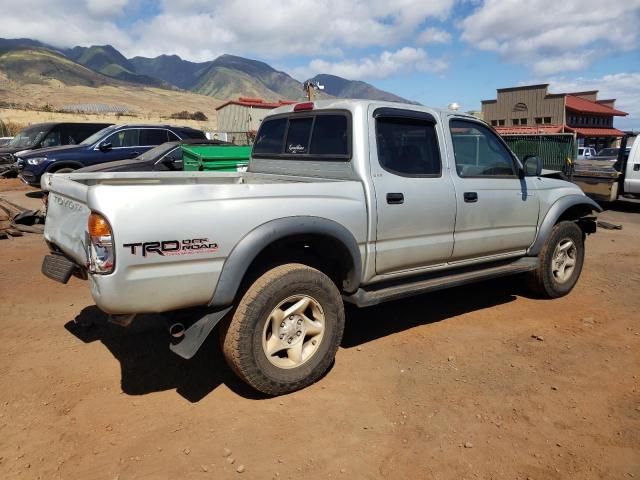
x: 218, y: 158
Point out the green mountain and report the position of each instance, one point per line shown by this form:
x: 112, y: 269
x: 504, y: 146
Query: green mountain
x: 25, y: 64
x: 343, y: 88
x: 228, y: 76
x: 263, y: 75
x: 170, y: 69
x: 110, y: 62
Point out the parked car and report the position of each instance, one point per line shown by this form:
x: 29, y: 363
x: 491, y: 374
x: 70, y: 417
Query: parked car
x: 344, y: 200
x: 43, y: 135
x: 586, y: 152
x: 117, y: 142
x: 165, y: 157
x: 4, y: 140
x: 611, y: 154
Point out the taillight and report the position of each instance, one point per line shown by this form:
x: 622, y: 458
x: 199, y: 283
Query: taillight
x: 101, y: 251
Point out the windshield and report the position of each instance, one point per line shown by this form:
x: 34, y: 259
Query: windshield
x: 97, y: 136
x: 608, y: 152
x: 29, y: 137
x: 158, y: 151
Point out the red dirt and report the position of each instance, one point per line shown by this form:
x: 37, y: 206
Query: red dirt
x: 414, y: 382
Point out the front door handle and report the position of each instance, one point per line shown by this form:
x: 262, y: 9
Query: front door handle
x: 395, y: 198
x: 471, y: 197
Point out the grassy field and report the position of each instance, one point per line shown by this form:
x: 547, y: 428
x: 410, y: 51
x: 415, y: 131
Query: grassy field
x: 153, y: 105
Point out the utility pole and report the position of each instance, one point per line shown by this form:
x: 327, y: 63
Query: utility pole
x: 309, y: 87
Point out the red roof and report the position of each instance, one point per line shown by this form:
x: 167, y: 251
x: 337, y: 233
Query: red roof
x: 256, y: 103
x: 587, y: 106
x: 529, y: 130
x: 595, y: 132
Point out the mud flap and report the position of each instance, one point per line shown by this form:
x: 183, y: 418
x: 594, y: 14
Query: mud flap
x: 196, y: 334
x: 58, y: 268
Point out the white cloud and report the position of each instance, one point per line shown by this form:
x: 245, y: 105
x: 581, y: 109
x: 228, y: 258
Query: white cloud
x: 551, y: 36
x: 624, y: 87
x: 196, y: 29
x: 383, y: 65
x: 202, y: 29
x: 433, y: 35
x: 106, y: 8
x: 66, y: 24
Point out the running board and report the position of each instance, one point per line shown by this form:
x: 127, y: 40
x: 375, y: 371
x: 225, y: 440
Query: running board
x: 375, y: 294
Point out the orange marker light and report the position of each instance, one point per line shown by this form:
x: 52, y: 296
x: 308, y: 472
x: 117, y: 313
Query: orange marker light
x: 98, y: 226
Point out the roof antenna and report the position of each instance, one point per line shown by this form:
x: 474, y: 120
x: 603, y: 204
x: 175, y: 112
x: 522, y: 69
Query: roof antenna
x: 310, y: 86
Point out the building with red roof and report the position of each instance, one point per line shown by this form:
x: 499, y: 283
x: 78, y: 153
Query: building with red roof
x: 532, y: 109
x: 245, y: 113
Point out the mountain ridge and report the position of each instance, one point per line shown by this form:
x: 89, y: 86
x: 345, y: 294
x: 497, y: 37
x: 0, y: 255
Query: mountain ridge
x: 225, y: 77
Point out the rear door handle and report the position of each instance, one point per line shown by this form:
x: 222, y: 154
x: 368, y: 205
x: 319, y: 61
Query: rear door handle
x: 471, y: 197
x: 395, y: 198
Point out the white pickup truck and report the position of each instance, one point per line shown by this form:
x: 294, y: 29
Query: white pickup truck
x: 343, y: 200
x: 609, y: 179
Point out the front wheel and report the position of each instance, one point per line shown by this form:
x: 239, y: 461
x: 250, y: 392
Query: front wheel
x: 286, y: 329
x: 560, y: 262
x: 65, y: 170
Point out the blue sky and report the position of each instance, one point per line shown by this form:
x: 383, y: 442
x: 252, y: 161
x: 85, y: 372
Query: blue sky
x: 435, y: 51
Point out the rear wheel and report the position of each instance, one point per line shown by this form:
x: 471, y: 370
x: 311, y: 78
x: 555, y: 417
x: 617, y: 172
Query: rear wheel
x: 560, y: 262
x: 286, y: 329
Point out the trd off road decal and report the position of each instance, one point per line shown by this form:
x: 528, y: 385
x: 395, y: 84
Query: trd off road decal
x: 189, y: 246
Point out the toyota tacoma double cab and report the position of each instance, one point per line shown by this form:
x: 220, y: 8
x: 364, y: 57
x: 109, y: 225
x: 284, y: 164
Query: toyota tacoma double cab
x: 343, y: 201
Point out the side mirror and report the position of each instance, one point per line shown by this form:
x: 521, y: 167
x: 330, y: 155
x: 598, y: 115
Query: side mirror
x: 105, y: 146
x: 532, y: 166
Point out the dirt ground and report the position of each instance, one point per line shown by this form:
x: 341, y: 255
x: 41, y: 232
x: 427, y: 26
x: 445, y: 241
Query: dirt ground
x: 450, y: 385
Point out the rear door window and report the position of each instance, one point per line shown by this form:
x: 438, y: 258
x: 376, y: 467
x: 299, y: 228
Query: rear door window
x: 408, y: 146
x: 152, y: 136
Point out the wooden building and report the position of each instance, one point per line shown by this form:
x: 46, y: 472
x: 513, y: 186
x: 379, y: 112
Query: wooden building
x: 532, y: 109
x: 245, y: 114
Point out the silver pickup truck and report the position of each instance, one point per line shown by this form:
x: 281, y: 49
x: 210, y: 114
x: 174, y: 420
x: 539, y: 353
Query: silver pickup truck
x: 343, y: 201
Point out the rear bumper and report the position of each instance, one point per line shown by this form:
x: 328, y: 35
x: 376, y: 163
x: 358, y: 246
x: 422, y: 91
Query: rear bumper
x: 601, y: 188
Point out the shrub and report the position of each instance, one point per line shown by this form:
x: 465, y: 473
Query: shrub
x: 184, y: 115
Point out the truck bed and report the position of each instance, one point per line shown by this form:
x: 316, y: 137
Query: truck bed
x: 175, y: 206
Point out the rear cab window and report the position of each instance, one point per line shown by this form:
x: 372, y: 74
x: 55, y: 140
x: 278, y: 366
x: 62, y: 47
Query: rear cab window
x: 310, y: 135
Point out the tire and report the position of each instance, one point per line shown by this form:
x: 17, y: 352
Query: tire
x: 560, y: 262
x: 64, y: 170
x: 285, y: 332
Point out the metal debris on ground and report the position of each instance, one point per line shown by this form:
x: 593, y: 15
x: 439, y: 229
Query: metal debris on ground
x: 609, y: 226
x: 16, y: 220
x: 8, y: 171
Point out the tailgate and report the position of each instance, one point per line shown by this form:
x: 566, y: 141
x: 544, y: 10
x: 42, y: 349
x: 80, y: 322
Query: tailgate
x: 67, y: 215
